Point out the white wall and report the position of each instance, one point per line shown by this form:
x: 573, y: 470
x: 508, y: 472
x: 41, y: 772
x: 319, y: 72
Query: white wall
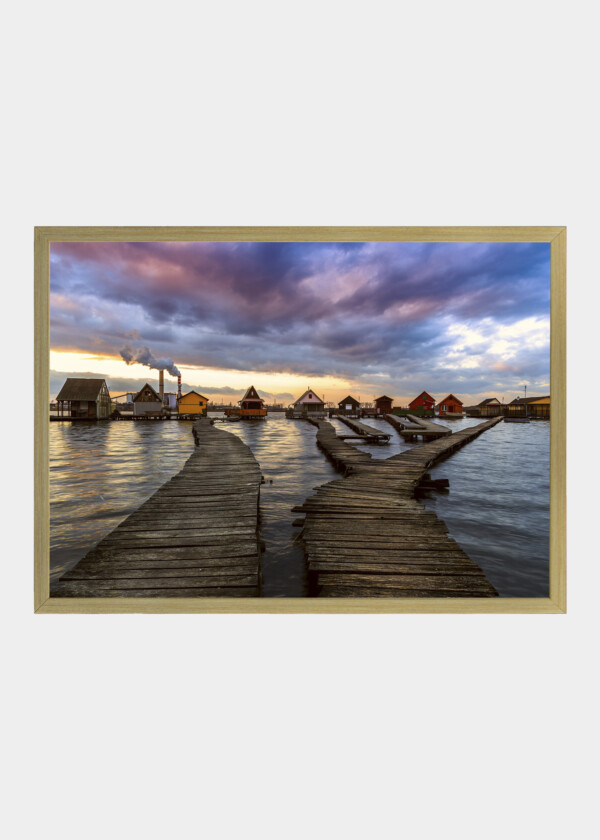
x: 146, y: 407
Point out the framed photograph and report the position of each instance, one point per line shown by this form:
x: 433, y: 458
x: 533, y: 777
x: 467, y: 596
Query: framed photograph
x: 300, y: 419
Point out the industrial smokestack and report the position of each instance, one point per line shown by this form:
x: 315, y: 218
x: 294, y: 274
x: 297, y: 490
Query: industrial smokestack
x: 179, y: 386
x: 161, y: 385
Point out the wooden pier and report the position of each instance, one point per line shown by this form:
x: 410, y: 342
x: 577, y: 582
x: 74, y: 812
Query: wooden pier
x: 417, y: 427
x: 195, y: 536
x: 369, y: 433
x: 342, y: 455
x: 366, y: 535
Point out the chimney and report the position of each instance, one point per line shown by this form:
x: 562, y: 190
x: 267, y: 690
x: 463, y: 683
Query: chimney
x: 161, y: 385
x: 179, y: 386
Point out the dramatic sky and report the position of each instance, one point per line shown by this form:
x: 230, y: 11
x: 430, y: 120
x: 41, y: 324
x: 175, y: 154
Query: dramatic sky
x: 397, y: 318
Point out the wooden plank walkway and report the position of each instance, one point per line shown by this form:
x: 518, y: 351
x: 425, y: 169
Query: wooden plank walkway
x: 369, y: 433
x: 197, y: 535
x: 366, y: 535
x: 429, y: 425
x: 341, y: 454
x: 415, y: 427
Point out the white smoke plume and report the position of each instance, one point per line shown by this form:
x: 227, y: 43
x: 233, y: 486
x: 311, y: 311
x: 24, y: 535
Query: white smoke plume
x: 143, y: 356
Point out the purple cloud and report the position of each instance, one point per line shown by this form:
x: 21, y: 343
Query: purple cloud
x: 312, y: 308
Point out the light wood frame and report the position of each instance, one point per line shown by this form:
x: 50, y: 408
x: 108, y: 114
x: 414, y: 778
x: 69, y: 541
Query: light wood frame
x: 555, y: 603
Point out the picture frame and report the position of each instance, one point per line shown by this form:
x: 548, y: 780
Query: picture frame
x: 44, y: 237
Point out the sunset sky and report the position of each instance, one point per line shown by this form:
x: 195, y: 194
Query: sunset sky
x: 365, y: 319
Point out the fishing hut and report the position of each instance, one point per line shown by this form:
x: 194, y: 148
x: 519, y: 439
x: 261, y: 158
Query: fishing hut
x: 383, y: 405
x: 147, y: 403
x: 451, y: 406
x: 83, y: 399
x: 308, y: 406
x: 537, y: 408
x: 490, y: 407
x: 424, y: 402
x: 192, y: 404
x: 251, y: 406
x: 349, y: 406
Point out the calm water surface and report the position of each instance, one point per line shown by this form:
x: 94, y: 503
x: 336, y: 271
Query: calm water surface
x: 497, y: 507
x: 288, y: 454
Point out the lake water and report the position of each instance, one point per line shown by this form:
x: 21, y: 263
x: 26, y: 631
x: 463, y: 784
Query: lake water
x: 497, y: 507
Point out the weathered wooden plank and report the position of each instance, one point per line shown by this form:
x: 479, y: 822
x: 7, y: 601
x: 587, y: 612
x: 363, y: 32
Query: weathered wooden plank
x: 82, y: 589
x: 174, y: 527
x: 389, y: 568
x: 167, y: 509
x: 364, y: 431
x: 197, y: 535
x: 170, y: 552
x: 366, y: 535
x: 209, y: 575
x: 172, y: 583
x: 425, y: 542
x: 390, y: 555
x: 387, y: 527
x: 162, y: 538
x: 397, y: 592
x: 404, y: 581
x: 161, y: 542
x: 247, y: 564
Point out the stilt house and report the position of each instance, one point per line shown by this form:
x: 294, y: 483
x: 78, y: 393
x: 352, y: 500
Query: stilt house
x: 252, y: 407
x: 308, y: 405
x: 84, y: 399
x: 535, y: 407
x: 490, y: 407
x: 424, y: 402
x: 192, y: 403
x: 451, y: 406
x: 349, y: 405
x: 383, y: 405
x: 146, y: 401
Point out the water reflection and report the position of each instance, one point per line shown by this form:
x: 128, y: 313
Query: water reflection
x: 288, y: 454
x: 100, y: 473
x: 497, y: 507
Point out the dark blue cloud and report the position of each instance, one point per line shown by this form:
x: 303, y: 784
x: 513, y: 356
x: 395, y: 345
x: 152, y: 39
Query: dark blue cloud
x: 349, y: 309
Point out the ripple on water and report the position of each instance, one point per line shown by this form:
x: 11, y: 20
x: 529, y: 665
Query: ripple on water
x: 497, y: 507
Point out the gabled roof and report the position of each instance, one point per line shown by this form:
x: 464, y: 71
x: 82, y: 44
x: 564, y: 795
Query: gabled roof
x: 251, y: 394
x: 423, y: 394
x: 391, y: 399
x: 450, y: 397
x: 527, y: 400
x: 489, y: 401
x: 189, y: 393
x: 139, y: 394
x: 81, y: 389
x: 304, y: 398
x: 349, y: 399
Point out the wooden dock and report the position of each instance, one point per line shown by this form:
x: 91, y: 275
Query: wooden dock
x: 366, y: 535
x: 197, y: 535
x: 342, y: 455
x: 369, y: 433
x: 416, y: 427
